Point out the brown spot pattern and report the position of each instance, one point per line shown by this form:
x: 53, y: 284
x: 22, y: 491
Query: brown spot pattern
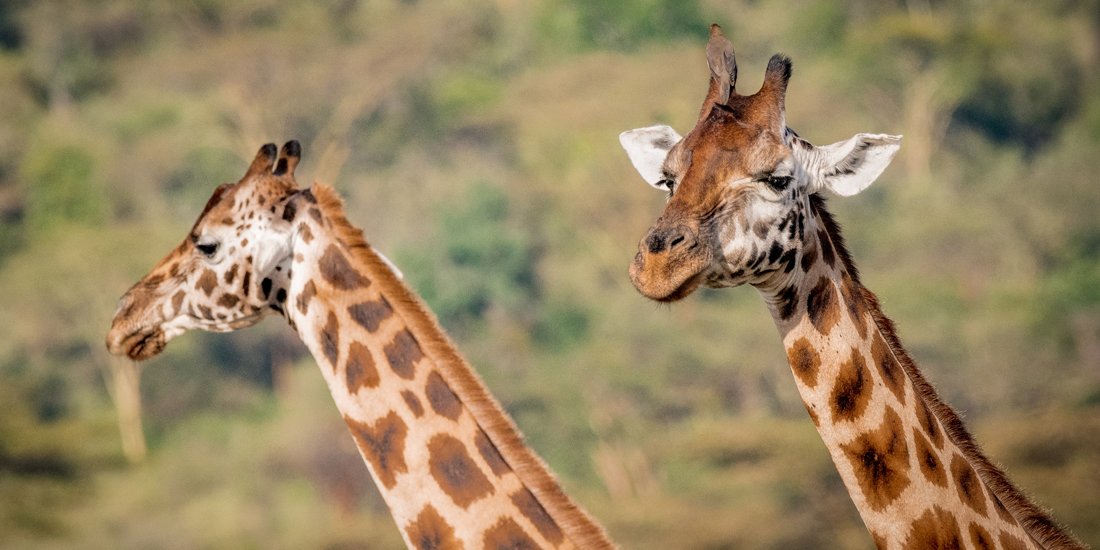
x: 443, y: 400
x: 1009, y: 542
x: 809, y: 256
x: 228, y: 300
x: 968, y: 484
x: 403, y: 353
x: 360, y: 371
x: 413, y: 403
x: 231, y: 274
x: 879, y: 540
x: 888, y: 367
x: 822, y: 306
x: 980, y: 538
x: 456, y: 473
x: 804, y: 361
x: 1006, y: 516
x: 207, y: 281
x: 787, y: 302
x: 371, y: 314
x: 177, y: 301
x: 880, y: 460
x: 429, y: 531
x: 308, y: 292
x: 330, y: 340
x: 536, y: 514
x: 383, y: 445
x: 930, y: 425
x: 507, y: 534
x: 490, y: 453
x: 935, y: 530
x: 305, y: 233
x: 930, y: 464
x: 852, y: 390
x: 338, y: 272
x: 853, y: 299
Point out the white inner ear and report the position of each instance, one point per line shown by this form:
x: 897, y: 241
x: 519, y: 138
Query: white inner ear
x: 848, y: 167
x: 273, y: 247
x: 647, y: 148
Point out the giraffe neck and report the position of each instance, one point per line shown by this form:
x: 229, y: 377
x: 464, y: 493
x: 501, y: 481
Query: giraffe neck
x: 448, y: 461
x: 915, y: 474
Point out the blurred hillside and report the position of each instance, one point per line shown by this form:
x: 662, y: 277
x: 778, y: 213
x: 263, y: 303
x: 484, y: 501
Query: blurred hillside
x: 476, y: 143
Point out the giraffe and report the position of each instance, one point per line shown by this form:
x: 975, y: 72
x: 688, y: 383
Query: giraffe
x: 745, y: 206
x: 449, y: 462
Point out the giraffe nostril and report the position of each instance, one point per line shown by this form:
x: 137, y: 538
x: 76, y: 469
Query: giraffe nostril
x: 655, y: 243
x: 677, y: 240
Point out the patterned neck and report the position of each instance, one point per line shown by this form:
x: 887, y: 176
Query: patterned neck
x: 914, y: 473
x: 448, y: 461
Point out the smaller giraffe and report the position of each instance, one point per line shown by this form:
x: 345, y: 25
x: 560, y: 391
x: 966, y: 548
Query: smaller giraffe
x: 449, y: 462
x: 746, y: 206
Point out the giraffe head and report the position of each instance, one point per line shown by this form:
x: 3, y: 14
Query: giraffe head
x: 230, y: 270
x: 739, y: 184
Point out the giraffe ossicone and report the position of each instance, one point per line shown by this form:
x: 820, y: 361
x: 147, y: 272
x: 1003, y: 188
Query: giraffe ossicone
x: 449, y: 462
x: 745, y: 206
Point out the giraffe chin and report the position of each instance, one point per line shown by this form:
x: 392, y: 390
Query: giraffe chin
x: 140, y: 345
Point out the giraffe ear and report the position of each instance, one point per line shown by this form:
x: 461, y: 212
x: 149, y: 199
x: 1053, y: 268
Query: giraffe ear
x: 647, y: 149
x: 848, y: 167
x: 273, y: 246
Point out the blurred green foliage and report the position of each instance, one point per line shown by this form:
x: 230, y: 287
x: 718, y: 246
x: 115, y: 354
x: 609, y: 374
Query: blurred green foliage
x: 476, y: 145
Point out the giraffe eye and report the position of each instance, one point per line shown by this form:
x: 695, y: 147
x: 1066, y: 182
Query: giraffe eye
x: 207, y: 249
x: 778, y: 183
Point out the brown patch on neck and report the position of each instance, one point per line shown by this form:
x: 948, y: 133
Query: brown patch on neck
x: 880, y: 461
x: 533, y: 511
x: 383, y: 445
x: 968, y: 485
x: 507, y: 534
x: 804, y: 361
x: 360, y: 371
x: 442, y: 399
x: 936, y: 528
x: 852, y: 389
x: 455, y: 471
x: 822, y: 306
x: 330, y: 340
x: 980, y: 538
x: 889, y: 370
x: 402, y: 353
x: 339, y: 273
x: 430, y: 531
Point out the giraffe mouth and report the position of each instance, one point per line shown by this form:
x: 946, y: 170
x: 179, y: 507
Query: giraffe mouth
x: 691, y: 284
x: 140, y: 345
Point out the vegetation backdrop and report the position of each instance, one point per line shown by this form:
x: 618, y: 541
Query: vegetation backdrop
x: 476, y: 144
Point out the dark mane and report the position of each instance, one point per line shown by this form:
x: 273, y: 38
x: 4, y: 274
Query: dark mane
x: 1034, y: 520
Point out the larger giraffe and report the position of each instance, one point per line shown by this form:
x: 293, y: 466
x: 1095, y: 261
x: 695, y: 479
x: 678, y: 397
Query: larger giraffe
x: 745, y: 206
x: 449, y: 462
